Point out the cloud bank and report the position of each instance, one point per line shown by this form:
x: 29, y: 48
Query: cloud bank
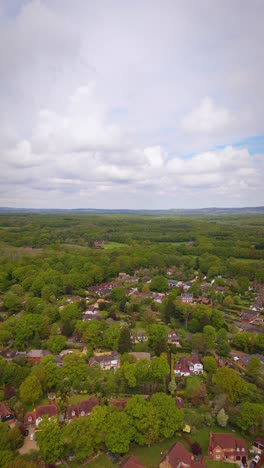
x: 121, y: 105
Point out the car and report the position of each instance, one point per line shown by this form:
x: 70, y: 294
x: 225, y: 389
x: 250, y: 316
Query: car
x: 32, y: 436
x: 23, y: 430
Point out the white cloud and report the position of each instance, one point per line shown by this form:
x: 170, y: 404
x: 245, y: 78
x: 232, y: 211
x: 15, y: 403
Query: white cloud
x: 97, y: 97
x: 208, y: 118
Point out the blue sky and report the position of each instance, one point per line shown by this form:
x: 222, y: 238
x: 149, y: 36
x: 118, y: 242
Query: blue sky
x: 119, y: 104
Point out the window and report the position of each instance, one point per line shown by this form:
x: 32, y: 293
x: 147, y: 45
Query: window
x: 217, y: 457
x: 243, y: 450
x: 82, y: 413
x: 73, y: 413
x: 30, y: 419
x: 218, y: 450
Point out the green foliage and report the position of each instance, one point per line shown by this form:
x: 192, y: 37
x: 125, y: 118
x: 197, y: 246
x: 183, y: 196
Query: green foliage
x: 159, y: 284
x: 222, y: 418
x: 57, y: 343
x: 250, y: 415
x: 30, y: 390
x: 229, y: 382
x: 210, y: 364
x: 50, y: 441
x: 170, y: 417
x: 119, y: 432
x: 124, y: 341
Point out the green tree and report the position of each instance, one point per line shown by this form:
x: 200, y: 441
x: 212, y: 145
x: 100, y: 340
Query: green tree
x: 222, y: 345
x: 222, y: 418
x: 170, y: 417
x: 157, y: 338
x: 119, y: 432
x: 57, y: 343
x: 210, y: 337
x: 12, y: 303
x: 159, y: 284
x: 210, y: 364
x: 50, y: 441
x: 250, y: 416
x: 15, y: 438
x: 254, y: 368
x: 136, y: 409
x: 30, y: 390
x: 227, y: 381
x: 124, y: 342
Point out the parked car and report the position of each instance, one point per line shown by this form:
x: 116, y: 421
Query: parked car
x: 23, y: 430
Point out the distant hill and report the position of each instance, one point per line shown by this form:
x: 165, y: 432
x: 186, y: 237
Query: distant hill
x: 197, y: 211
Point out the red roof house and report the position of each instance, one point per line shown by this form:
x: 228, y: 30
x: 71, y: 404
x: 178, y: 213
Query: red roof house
x: 178, y: 457
x: 227, y: 448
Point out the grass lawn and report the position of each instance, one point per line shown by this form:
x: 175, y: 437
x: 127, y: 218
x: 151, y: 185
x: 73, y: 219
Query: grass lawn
x: 202, y: 436
x: 74, y: 399
x: 113, y: 245
x: 150, y: 456
x: 103, y: 461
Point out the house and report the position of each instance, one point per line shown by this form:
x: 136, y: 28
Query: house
x: 140, y: 355
x: 174, y: 283
x: 258, y: 444
x: 157, y: 297
x: 36, y: 355
x: 227, y: 448
x: 132, y: 462
x: 106, y: 361
x: 35, y: 417
x: 186, y: 286
x: 83, y: 408
x: 5, y: 413
x: 187, y: 366
x: 249, y: 316
x: 187, y: 298
x: 170, y: 271
x: 204, y: 300
x: 179, y: 457
x: 139, y: 336
x: 120, y: 404
x: 173, y: 338
x: 74, y: 299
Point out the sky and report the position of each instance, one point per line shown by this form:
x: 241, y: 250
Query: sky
x: 143, y: 104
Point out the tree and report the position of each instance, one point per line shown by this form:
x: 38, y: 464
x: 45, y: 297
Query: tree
x: 159, y: 284
x: 74, y: 371
x: 227, y: 381
x: 118, y: 294
x: 4, y: 440
x: 210, y: 364
x: 50, y: 441
x: 12, y: 303
x: 222, y: 418
x: 124, y: 342
x: 222, y: 345
x: 15, y: 438
x: 254, y: 368
x: 170, y: 417
x: 157, y: 338
x: 30, y: 390
x: 250, y: 415
x: 196, y: 448
x: 210, y: 337
x: 151, y: 425
x: 119, y: 432
x: 136, y: 409
x: 57, y: 343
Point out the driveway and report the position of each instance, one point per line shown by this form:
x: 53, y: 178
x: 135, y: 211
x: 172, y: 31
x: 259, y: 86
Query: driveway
x: 28, y: 444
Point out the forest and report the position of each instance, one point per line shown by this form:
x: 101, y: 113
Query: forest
x: 150, y: 293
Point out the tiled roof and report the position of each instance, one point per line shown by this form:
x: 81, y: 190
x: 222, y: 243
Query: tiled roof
x: 178, y: 454
x: 132, y: 462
